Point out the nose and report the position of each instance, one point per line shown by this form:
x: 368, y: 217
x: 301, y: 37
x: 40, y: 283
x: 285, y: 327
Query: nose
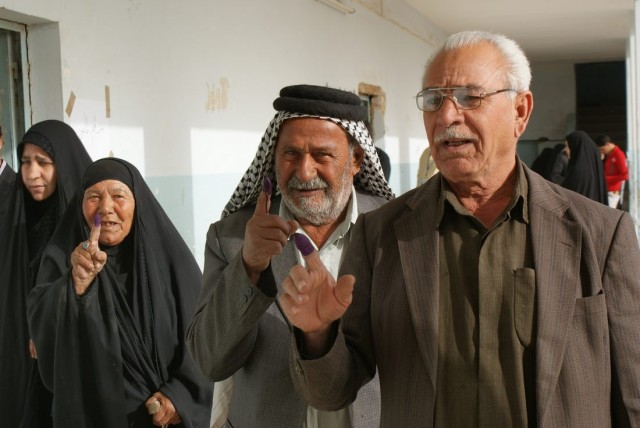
x: 105, y: 206
x: 31, y: 170
x: 307, y: 168
x: 449, y: 113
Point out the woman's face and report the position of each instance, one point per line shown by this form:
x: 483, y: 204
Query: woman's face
x: 115, y: 204
x: 38, y: 172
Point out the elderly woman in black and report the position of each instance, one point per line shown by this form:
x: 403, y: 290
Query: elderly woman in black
x: 116, y: 290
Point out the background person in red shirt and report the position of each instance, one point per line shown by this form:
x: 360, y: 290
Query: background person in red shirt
x: 616, y: 171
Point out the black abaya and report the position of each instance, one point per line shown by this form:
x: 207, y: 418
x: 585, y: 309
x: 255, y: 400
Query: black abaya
x: 30, y: 225
x: 14, y: 336
x: 585, y: 172
x: 112, y: 348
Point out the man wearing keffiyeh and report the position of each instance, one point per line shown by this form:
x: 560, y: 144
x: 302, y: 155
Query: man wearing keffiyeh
x: 315, y: 170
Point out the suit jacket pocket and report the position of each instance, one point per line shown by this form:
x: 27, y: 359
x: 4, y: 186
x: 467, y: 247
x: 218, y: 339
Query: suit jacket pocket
x: 588, y: 306
x: 590, y: 336
x: 524, y: 282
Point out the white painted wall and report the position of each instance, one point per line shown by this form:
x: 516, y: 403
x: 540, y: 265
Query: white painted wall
x: 191, y: 83
x: 554, y: 97
x: 554, y: 105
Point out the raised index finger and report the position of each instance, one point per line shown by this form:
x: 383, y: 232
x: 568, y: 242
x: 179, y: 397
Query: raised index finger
x: 310, y: 254
x: 264, y: 199
x: 95, y: 230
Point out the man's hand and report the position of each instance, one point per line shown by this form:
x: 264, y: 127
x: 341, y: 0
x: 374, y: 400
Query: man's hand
x: 265, y: 235
x: 312, y: 299
x: 87, y: 260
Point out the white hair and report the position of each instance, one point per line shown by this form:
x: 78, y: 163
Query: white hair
x: 518, y: 72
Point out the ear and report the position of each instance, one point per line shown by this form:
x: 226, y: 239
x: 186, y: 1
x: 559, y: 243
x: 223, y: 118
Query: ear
x: 356, y: 159
x: 523, y: 105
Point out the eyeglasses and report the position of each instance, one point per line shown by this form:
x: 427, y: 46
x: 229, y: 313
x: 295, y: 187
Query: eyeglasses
x: 464, y: 98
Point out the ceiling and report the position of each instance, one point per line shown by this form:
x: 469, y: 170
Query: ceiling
x: 547, y: 30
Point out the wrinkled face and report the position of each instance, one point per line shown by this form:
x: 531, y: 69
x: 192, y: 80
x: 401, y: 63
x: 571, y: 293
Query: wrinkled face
x: 470, y: 145
x: 38, y: 172
x: 315, y: 168
x: 114, y: 202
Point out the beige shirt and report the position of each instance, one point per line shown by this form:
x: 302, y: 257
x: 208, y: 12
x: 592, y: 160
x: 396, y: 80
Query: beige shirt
x: 331, y: 255
x: 486, y: 331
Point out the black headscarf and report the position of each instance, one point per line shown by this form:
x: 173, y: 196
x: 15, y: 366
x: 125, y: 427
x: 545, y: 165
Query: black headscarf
x: 70, y: 158
x: 585, y: 172
x: 25, y: 228
x: 109, y: 350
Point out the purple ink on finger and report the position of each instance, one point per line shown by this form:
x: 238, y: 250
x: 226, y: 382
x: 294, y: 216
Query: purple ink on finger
x: 303, y: 244
x: 96, y: 220
x: 266, y: 185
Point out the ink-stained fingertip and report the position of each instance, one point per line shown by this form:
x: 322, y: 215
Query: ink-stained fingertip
x: 266, y: 185
x: 96, y: 220
x: 303, y: 243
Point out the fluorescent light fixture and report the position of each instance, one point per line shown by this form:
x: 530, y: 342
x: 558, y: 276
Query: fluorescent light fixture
x: 337, y: 5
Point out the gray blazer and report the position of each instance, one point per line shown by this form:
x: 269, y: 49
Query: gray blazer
x: 587, y: 265
x: 238, y: 330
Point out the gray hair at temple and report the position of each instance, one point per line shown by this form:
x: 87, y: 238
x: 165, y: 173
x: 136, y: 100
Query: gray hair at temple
x: 518, y: 72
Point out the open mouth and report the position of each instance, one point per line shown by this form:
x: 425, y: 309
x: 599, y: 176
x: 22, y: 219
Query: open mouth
x: 456, y: 143
x: 308, y: 192
x: 109, y: 224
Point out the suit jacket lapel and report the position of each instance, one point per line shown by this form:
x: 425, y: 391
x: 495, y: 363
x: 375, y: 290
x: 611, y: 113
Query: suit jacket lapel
x: 557, y: 245
x: 418, y: 246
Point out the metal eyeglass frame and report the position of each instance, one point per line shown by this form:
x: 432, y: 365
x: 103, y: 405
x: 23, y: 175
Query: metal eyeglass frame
x: 451, y: 95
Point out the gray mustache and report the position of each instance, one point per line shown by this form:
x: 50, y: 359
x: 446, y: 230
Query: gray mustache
x: 453, y: 134
x: 316, y: 183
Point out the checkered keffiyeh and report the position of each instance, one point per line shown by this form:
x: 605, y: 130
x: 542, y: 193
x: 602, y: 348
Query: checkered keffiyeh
x: 370, y: 179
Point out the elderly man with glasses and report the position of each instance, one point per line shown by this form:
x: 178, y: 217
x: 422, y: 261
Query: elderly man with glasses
x: 487, y: 296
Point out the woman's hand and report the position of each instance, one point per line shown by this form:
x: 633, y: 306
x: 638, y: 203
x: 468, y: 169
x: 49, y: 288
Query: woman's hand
x: 32, y: 350
x: 87, y: 260
x: 163, y: 414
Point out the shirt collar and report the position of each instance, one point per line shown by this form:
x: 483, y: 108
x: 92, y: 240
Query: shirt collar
x: 518, y: 207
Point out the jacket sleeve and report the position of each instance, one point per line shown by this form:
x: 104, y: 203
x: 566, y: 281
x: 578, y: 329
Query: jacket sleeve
x: 621, y: 283
x: 332, y: 381
x: 224, y: 328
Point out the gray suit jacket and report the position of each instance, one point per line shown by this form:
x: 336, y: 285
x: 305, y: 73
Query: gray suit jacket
x: 587, y: 265
x: 238, y: 330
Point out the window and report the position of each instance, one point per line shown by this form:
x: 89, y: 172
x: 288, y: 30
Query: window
x: 13, y: 87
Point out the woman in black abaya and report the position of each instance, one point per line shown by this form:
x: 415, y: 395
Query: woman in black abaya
x: 51, y: 162
x: 121, y: 285
x: 585, y: 172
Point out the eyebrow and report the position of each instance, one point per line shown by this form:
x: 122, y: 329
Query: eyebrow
x: 470, y: 86
x: 112, y: 189
x: 39, y: 158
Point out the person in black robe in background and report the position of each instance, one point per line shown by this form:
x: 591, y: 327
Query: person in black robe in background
x: 51, y: 162
x: 541, y: 163
x: 116, y: 291
x: 14, y: 356
x: 559, y: 164
x: 585, y: 172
